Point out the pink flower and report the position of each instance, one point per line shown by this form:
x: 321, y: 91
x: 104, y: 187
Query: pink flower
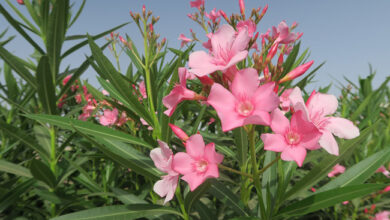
x: 143, y: 122
x: 109, y: 118
x: 249, y: 24
x: 337, y: 169
x: 207, y: 44
x: 142, y: 89
x: 66, y: 79
x: 285, y: 100
x: 214, y: 15
x: 162, y: 158
x: 184, y: 40
x: 345, y: 202
x: 198, y: 163
x: 122, y: 120
x: 282, y: 34
x: 316, y: 110
x: 197, y: 3
x: 247, y: 103
x: 384, y: 215
x: 78, y: 98
x: 383, y: 170
x: 291, y: 138
x: 228, y: 48
x: 87, y: 112
x: 386, y: 189
x: 298, y: 71
x: 178, y: 94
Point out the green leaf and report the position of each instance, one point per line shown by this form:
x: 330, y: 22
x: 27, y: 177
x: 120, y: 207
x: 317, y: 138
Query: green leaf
x: 116, y: 80
x: 13, y: 195
x: 241, y: 141
x: 89, y: 128
x: 20, y: 14
x: 43, y: 173
x: 15, y: 169
x: 77, y: 14
x: 58, y: 20
x: 323, y: 168
x: 12, y: 86
x: 328, y: 198
x: 46, y: 90
x: 360, y: 172
x: 126, y: 197
x: 116, y: 212
x: 227, y: 197
x: 85, y: 42
x: 24, y: 138
x: 19, y: 29
x: 269, y: 178
x: 195, y: 195
x: 287, y: 66
x: 19, y: 68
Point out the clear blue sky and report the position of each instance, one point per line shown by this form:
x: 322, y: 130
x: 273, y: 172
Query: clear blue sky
x: 346, y: 34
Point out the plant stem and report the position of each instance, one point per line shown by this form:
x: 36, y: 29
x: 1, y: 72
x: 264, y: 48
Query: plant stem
x: 256, y: 177
x: 235, y: 171
x: 157, y: 130
x: 181, y: 203
x: 269, y: 165
x: 53, y: 163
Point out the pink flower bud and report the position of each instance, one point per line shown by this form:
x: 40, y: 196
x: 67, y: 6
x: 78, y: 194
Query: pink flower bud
x: 122, y: 40
x: 178, y: 132
x: 264, y: 10
x: 224, y: 15
x: 271, y: 53
x: 296, y: 72
x: 242, y: 7
x: 112, y: 35
x: 20, y: 2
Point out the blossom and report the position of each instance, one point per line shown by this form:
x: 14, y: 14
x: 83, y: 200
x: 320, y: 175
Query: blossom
x: 162, y: 158
x: 285, y: 100
x: 87, y: 111
x: 178, y: 94
x: 66, y: 79
x: 383, y: 170
x: 198, y: 163
x: 298, y: 71
x: 247, y: 103
x: 282, y: 34
x: 227, y: 49
x: 142, y: 89
x: 197, y: 3
x: 337, y: 169
x: 316, y: 110
x: 384, y: 215
x: 213, y: 15
x: 78, y: 98
x: 291, y: 138
x: 249, y: 24
x: 109, y: 118
x: 184, y: 40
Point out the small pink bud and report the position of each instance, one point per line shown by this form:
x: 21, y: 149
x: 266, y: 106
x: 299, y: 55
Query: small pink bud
x: 242, y: 7
x: 312, y: 189
x: 122, y: 40
x: 20, y: 2
x: 224, y: 15
x: 178, y: 132
x: 271, y: 53
x: 296, y: 72
x: 294, y: 25
x: 280, y: 59
x: 264, y: 10
x: 151, y: 27
x: 112, y: 35
x: 143, y: 9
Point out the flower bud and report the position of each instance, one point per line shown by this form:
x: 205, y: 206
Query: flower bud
x: 242, y: 8
x: 178, y: 132
x: 298, y: 71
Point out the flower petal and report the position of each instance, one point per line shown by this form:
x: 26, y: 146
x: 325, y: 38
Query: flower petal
x: 195, y: 146
x: 328, y: 142
x: 224, y: 103
x: 201, y: 63
x: 212, y: 171
x: 166, y: 187
x: 245, y: 83
x: 236, y: 58
x: 182, y: 163
x: 222, y: 39
x: 194, y: 180
x: 258, y: 117
x: 274, y: 142
x: 342, y: 127
x: 324, y: 104
x: 212, y: 156
x: 279, y: 123
x: 296, y: 153
x: 241, y: 41
x: 265, y: 98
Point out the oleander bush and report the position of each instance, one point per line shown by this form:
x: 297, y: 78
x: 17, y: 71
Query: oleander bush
x: 222, y: 128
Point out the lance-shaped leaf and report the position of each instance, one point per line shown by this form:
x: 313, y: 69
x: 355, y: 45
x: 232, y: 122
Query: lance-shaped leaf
x: 195, y: 195
x: 15, y: 169
x: 42, y: 172
x: 46, y: 90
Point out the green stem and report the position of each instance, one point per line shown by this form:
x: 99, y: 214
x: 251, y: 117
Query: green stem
x: 53, y: 163
x: 256, y: 177
x: 156, y: 129
x: 181, y: 203
x: 235, y: 171
x: 268, y: 165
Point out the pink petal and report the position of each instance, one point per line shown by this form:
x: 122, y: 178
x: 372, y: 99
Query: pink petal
x: 245, y: 83
x: 342, y: 127
x: 195, y: 146
x: 212, y: 156
x: 324, y: 104
x: 279, y: 123
x: 274, y: 142
x: 328, y: 142
x: 182, y: 163
x: 236, y: 58
x: 166, y: 187
x: 309, y: 133
x: 194, y: 179
x: 201, y: 63
x: 295, y: 153
x: 224, y: 103
x: 241, y: 41
x: 265, y: 98
x: 258, y: 117
x: 298, y: 103
x: 222, y: 39
x: 212, y: 171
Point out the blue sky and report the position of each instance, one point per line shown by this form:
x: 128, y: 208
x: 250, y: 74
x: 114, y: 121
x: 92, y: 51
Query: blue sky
x: 347, y: 34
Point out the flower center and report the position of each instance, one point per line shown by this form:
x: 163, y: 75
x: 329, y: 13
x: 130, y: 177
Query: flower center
x: 245, y: 108
x: 292, y: 137
x: 201, y: 166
